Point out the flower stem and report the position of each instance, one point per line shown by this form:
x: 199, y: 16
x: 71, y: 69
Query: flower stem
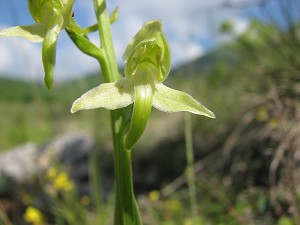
x: 126, y: 210
x: 190, y: 166
x: 109, y: 64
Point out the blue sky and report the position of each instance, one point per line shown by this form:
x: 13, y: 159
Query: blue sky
x: 191, y: 27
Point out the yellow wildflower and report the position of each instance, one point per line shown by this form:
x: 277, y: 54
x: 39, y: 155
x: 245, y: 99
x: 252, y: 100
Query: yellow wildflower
x: 188, y: 221
x: 262, y: 114
x: 26, y: 199
x: 173, y: 204
x: 154, y: 196
x: 52, y: 173
x: 63, y: 182
x: 34, y: 216
x: 85, y: 200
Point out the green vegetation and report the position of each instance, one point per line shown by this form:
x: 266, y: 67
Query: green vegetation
x: 246, y: 170
x: 31, y: 113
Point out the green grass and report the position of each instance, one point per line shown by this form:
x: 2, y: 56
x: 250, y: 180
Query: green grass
x: 29, y: 112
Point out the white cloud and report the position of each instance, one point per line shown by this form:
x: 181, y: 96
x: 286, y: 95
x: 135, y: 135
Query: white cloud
x: 185, y: 52
x: 240, y: 26
x: 72, y: 63
x: 20, y: 58
x: 193, y: 51
x: 188, y: 24
x: 5, y: 56
x: 185, y: 23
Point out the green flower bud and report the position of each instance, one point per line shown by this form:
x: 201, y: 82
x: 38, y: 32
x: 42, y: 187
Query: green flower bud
x: 42, y: 10
x: 148, y: 45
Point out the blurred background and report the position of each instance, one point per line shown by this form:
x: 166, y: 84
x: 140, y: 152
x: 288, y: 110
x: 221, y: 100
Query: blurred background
x: 240, y: 58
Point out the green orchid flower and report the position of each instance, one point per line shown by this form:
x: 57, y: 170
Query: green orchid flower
x: 147, y: 59
x: 51, y: 16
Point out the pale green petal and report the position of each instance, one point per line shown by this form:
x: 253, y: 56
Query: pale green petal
x: 148, y: 45
x: 35, y: 32
x: 67, y: 12
x: 107, y: 95
x: 49, y: 54
x: 170, y: 100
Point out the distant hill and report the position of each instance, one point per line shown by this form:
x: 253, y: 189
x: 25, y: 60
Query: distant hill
x: 27, y: 91
x: 18, y: 90
x: 31, y: 112
x: 205, y: 63
x: 12, y: 90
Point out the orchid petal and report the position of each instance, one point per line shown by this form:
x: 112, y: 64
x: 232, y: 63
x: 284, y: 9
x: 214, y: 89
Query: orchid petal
x: 67, y: 12
x: 35, y: 32
x: 149, y: 44
x: 49, y: 53
x: 111, y: 96
x: 170, y: 100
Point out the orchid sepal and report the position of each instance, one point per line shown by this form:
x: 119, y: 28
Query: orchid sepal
x: 34, y: 33
x: 111, y: 96
x: 170, y: 100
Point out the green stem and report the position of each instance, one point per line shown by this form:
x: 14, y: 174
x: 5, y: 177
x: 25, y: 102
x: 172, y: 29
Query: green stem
x: 95, y: 184
x: 126, y: 210
x: 190, y: 166
x: 109, y: 65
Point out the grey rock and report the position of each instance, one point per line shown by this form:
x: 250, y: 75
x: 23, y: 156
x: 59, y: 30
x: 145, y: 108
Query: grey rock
x: 25, y: 161
x: 67, y: 149
x: 19, y: 163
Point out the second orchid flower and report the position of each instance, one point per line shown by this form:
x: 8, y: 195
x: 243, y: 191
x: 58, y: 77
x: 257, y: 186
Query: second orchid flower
x: 51, y: 16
